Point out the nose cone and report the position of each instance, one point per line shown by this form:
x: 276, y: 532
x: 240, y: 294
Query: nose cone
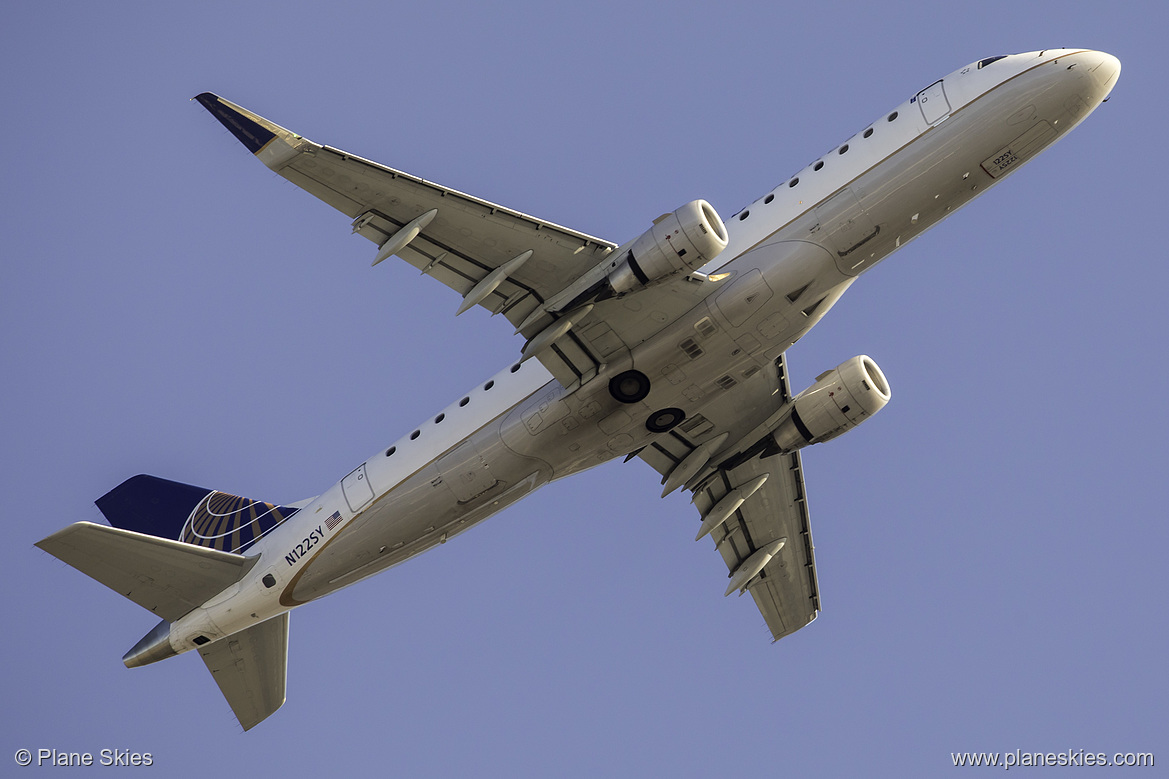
x: 1099, y: 69
x: 1077, y: 81
x: 1106, y: 72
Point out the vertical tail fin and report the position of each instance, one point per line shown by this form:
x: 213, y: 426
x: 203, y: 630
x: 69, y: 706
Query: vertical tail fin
x: 193, y: 515
x: 172, y: 547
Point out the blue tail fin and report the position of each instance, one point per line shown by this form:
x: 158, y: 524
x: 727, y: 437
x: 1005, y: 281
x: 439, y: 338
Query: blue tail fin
x: 194, y: 515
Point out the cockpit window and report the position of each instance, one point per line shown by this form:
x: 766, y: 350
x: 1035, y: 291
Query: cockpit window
x: 983, y: 63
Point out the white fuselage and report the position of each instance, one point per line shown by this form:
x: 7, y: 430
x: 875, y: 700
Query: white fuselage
x: 791, y: 254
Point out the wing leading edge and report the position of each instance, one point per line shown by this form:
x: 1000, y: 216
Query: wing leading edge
x: 460, y: 245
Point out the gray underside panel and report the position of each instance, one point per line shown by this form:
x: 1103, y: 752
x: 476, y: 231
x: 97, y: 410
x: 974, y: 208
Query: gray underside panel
x: 250, y: 668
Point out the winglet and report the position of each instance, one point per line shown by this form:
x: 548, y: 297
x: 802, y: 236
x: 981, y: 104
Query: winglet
x: 251, y: 133
x: 267, y: 140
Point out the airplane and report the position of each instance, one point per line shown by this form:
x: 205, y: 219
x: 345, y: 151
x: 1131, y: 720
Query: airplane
x: 669, y: 348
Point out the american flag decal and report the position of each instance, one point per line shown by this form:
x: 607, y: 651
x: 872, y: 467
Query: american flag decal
x: 334, y: 520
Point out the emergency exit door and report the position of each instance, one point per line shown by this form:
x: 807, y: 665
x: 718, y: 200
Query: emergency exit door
x: 934, y: 105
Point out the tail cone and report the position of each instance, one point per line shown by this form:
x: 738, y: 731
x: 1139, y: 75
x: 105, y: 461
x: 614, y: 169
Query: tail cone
x: 153, y: 647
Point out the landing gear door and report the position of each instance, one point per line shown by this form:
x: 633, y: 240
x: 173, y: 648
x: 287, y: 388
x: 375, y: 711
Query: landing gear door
x: 934, y: 105
x: 357, y: 490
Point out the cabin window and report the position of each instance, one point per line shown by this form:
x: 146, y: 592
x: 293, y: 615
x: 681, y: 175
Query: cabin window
x: 516, y: 367
x: 391, y: 450
x: 818, y: 165
x: 439, y: 418
x: 489, y: 385
x: 843, y: 149
x: 415, y: 434
x: 892, y: 116
x: 768, y: 199
x: 793, y: 182
x: 744, y: 215
x: 269, y: 580
x: 464, y: 402
x: 868, y: 132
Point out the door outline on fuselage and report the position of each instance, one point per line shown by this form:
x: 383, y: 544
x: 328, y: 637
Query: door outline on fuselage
x: 357, y: 489
x: 934, y: 104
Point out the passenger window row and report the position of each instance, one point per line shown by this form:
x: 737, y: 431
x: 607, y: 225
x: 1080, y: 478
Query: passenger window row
x: 438, y: 419
x: 819, y: 164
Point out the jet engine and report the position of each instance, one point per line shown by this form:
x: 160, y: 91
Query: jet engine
x: 840, y: 400
x: 682, y: 241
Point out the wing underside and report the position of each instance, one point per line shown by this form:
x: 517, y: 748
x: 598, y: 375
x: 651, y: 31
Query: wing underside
x: 460, y: 245
x: 786, y: 590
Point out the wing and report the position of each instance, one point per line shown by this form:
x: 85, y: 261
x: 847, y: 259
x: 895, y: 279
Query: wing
x: 461, y: 243
x: 785, y: 590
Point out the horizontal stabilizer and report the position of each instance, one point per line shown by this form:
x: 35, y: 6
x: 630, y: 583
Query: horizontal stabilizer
x: 250, y: 668
x: 167, y: 577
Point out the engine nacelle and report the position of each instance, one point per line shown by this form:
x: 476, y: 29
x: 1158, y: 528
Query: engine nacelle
x: 840, y: 400
x: 682, y: 241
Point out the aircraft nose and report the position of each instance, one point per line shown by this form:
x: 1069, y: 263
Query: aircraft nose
x: 1104, y: 70
x: 1107, y: 71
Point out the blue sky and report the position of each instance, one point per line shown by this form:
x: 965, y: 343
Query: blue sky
x: 989, y: 548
